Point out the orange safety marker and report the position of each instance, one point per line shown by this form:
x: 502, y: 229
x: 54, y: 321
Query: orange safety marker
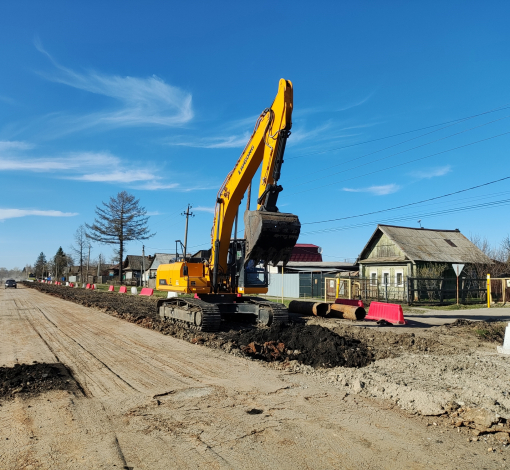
x: 392, y: 313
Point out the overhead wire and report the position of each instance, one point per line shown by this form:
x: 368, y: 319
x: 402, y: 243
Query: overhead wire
x: 501, y: 108
x: 397, y: 153
x: 405, y: 163
x: 409, y: 204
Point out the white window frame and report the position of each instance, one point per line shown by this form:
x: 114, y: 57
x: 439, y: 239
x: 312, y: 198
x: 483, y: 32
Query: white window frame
x: 372, y: 283
x: 397, y: 272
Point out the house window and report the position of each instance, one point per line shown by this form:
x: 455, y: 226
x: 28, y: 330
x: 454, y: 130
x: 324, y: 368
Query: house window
x: 373, y: 279
x: 399, y: 278
x: 386, y: 278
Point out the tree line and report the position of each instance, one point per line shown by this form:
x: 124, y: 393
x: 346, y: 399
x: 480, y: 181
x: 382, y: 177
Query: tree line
x: 117, y: 222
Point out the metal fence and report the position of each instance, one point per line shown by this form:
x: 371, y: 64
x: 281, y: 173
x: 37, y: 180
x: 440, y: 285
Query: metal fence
x: 444, y: 290
x: 414, y: 290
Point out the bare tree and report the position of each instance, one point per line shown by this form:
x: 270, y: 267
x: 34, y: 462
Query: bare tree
x: 81, y: 243
x: 120, y: 220
x: 495, y: 260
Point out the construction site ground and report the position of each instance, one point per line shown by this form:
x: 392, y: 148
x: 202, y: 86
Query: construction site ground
x: 97, y: 382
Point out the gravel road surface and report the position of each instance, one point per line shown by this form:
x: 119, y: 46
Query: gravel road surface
x: 143, y: 400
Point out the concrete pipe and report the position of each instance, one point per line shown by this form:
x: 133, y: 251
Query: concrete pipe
x: 319, y: 309
x: 349, y: 312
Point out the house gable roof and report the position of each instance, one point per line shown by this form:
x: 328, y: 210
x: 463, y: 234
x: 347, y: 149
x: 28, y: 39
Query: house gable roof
x: 429, y: 245
x: 134, y: 262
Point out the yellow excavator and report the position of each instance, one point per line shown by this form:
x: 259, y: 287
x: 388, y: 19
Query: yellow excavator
x: 223, y: 282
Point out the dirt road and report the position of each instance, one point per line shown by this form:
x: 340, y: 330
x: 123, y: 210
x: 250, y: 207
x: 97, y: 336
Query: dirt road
x: 150, y: 401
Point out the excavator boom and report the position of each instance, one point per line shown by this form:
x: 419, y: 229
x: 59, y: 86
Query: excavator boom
x: 270, y: 235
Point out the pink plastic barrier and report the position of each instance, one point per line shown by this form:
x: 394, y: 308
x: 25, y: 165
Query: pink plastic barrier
x: 123, y: 289
x: 87, y: 286
x: 354, y: 303
x: 147, y: 291
x: 111, y: 288
x: 390, y: 312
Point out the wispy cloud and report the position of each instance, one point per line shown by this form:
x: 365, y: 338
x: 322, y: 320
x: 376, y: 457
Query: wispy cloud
x: 7, y: 145
x: 15, y: 213
x: 69, y: 162
x: 126, y: 176
x: 204, y: 209
x: 77, y: 166
x: 382, y: 190
x: 233, y: 141
x: 140, y: 101
x: 432, y: 172
x: 356, y: 103
x: 155, y: 185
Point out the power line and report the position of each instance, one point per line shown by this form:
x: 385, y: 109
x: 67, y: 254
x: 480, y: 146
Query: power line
x: 409, y: 204
x: 401, y: 133
x: 404, y: 163
x: 413, y: 216
x: 397, y: 153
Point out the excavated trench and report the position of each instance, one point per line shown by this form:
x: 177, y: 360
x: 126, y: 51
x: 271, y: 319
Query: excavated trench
x: 307, y: 344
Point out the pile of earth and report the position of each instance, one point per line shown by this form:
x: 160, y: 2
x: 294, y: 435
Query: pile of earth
x: 307, y: 344
x: 492, y: 330
x: 136, y: 306
x: 311, y: 345
x: 33, y: 379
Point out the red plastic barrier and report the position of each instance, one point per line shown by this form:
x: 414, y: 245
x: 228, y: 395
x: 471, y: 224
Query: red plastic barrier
x: 146, y: 291
x: 111, y: 288
x: 87, y: 286
x: 92, y: 286
x: 122, y: 290
x: 71, y: 284
x: 354, y: 303
x: 390, y: 312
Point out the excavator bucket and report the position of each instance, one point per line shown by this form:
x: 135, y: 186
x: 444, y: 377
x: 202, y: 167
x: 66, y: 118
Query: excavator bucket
x: 270, y: 236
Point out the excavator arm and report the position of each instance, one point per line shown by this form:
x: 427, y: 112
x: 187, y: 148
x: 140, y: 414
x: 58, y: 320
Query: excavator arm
x: 270, y: 235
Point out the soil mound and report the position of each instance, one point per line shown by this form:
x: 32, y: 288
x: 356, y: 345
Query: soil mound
x: 492, y: 330
x: 33, y: 379
x: 311, y: 345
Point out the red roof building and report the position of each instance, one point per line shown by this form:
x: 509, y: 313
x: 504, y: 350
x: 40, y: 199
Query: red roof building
x: 306, y: 252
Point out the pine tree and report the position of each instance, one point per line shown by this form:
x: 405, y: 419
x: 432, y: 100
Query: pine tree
x: 40, y: 265
x: 120, y: 221
x: 59, y: 262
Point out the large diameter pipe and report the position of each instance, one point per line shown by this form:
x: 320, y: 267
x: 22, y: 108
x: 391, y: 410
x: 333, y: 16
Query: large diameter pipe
x: 319, y: 309
x: 348, y: 312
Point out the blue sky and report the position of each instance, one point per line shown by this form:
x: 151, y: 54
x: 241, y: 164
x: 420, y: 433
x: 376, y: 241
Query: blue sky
x: 159, y: 98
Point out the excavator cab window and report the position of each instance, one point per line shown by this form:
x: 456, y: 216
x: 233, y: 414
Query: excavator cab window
x: 255, y: 275
x: 250, y: 274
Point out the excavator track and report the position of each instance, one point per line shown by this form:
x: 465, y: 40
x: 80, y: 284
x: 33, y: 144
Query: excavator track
x: 279, y: 312
x: 193, y: 313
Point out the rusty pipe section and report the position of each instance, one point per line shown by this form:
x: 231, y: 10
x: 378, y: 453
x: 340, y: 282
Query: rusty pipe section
x: 349, y: 312
x: 319, y: 309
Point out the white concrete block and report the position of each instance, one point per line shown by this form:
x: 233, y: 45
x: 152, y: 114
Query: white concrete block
x: 171, y: 295
x: 505, y: 349
x: 134, y: 291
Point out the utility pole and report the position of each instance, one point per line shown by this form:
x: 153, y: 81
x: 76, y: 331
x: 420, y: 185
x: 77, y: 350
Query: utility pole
x: 88, y: 262
x: 98, y: 267
x: 187, y: 214
x: 143, y: 264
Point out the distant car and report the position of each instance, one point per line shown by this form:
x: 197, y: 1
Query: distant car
x: 10, y: 283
